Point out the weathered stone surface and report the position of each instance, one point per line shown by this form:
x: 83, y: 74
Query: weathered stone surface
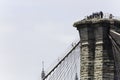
x: 97, y: 61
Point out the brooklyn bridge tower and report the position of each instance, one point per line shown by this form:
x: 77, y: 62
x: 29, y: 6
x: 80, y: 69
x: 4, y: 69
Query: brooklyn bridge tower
x: 100, y: 47
x: 96, y: 56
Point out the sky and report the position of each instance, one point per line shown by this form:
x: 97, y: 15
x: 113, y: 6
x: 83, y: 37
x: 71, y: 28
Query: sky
x: 32, y: 31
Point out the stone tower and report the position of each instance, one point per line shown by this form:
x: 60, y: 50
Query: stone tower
x: 97, y: 61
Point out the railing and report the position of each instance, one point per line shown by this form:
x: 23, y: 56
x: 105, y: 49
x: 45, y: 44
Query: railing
x: 104, y: 16
x: 107, y: 16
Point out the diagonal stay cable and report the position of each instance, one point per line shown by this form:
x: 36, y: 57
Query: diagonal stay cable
x: 66, y: 69
x: 60, y: 70
x: 61, y: 61
x: 116, y: 55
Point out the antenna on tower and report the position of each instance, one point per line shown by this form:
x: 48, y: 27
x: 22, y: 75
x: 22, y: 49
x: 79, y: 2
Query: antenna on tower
x: 76, y: 76
x: 42, y: 65
x: 43, y: 72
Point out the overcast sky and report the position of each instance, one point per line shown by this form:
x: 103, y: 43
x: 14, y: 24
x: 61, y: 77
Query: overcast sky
x: 32, y: 31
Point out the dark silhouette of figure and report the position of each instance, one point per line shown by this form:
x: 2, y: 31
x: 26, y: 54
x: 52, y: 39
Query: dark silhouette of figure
x: 111, y: 16
x: 90, y: 16
x: 87, y: 17
x: 95, y: 15
x: 101, y: 14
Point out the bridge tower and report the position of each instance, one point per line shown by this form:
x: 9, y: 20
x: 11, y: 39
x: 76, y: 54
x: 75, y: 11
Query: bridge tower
x: 97, y: 61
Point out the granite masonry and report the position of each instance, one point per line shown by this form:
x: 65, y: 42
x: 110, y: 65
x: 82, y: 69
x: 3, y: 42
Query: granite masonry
x: 97, y: 59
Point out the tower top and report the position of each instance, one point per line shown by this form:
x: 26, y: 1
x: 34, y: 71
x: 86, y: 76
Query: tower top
x: 94, y: 21
x: 98, y: 17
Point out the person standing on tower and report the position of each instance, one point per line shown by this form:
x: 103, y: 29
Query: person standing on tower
x: 111, y: 16
x: 101, y: 14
